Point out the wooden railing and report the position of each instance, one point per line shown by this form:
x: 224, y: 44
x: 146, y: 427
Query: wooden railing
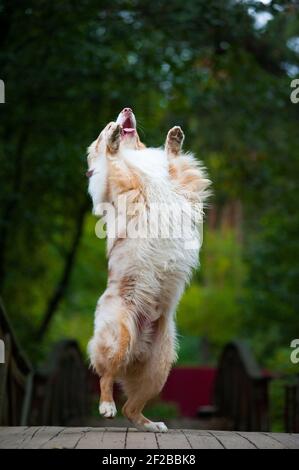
x: 241, y: 389
x: 16, y: 378
x: 57, y: 394
x: 291, y: 411
x: 61, y: 395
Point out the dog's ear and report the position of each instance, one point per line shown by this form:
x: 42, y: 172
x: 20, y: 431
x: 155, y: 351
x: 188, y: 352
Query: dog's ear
x: 139, y: 144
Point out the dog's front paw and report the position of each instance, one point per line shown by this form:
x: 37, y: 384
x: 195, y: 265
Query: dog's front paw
x: 175, y: 138
x: 107, y: 409
x: 176, y: 134
x: 113, y: 137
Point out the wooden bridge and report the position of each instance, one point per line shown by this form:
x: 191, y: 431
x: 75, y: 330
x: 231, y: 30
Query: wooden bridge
x: 58, y: 397
x: 127, y: 438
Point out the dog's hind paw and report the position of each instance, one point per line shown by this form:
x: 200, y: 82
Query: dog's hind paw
x: 152, y: 427
x: 107, y: 409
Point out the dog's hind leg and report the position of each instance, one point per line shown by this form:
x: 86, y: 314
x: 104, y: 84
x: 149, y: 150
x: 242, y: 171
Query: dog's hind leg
x: 109, y: 349
x: 107, y: 406
x: 144, y: 381
x: 138, y: 395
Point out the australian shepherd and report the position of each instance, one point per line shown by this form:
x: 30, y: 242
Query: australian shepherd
x: 152, y: 204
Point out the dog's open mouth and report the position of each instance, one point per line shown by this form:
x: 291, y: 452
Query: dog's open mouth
x: 128, y: 127
x: 127, y: 121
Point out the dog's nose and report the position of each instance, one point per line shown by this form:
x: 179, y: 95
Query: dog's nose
x: 127, y: 110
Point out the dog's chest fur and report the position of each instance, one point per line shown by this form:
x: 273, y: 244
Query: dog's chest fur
x: 149, y: 271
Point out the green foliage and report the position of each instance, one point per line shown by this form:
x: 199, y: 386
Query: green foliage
x: 75, y: 316
x: 189, y: 350
x: 276, y: 400
x: 162, y: 410
x: 69, y: 67
x: 279, y: 360
x: 212, y: 306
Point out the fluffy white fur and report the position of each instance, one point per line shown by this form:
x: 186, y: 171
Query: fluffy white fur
x: 134, y: 339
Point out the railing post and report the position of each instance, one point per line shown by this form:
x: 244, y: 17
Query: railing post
x: 291, y: 407
x: 241, y: 389
x: 15, y: 390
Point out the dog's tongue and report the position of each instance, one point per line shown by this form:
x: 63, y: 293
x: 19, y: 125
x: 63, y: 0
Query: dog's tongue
x: 128, y: 127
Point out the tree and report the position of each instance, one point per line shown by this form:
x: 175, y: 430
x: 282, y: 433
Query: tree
x: 69, y: 67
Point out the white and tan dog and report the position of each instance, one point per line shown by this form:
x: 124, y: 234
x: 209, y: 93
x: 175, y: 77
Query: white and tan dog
x: 134, y: 340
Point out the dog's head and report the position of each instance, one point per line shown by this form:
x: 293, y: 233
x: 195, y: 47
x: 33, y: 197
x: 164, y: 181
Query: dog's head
x: 129, y: 138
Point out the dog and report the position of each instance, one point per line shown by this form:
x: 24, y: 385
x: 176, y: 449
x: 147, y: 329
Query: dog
x: 134, y: 341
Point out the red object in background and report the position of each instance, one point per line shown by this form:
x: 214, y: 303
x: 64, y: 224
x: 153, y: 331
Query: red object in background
x: 189, y: 388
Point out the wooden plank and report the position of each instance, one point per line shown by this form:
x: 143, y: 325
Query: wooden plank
x: 202, y: 440
x: 262, y: 441
x: 290, y: 441
x: 66, y: 439
x: 141, y: 440
x: 5, y: 430
x: 41, y: 437
x: 13, y: 438
x: 174, y: 439
x: 91, y: 439
x: 113, y: 438
x: 120, y: 438
x: 231, y: 440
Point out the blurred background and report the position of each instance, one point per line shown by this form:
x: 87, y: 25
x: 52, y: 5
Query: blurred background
x: 223, y: 71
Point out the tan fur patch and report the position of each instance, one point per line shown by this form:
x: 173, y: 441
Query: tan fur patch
x: 106, y: 384
x: 139, y: 144
x: 173, y: 171
x: 191, y: 179
x: 172, y: 148
x: 122, y: 178
x: 124, y: 342
x: 108, y: 195
x: 118, y: 359
x: 108, y: 297
x: 126, y: 288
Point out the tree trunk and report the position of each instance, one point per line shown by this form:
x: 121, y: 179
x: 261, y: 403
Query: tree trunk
x: 12, y: 200
x: 63, y: 282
